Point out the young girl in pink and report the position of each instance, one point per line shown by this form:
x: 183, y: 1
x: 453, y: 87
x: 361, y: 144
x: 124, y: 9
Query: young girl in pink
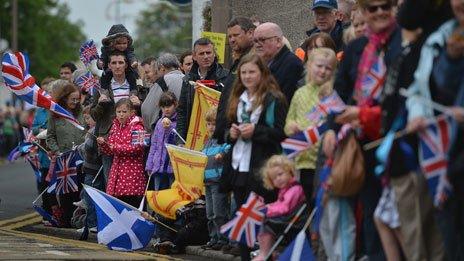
x: 126, y: 179
x: 279, y: 173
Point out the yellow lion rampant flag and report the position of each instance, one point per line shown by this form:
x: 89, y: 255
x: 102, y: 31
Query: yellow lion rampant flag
x: 189, y: 167
x: 203, y: 99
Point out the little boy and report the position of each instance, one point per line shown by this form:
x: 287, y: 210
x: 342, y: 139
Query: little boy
x: 217, y: 203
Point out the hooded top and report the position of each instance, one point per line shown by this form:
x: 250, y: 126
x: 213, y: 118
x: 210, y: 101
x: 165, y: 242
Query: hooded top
x: 116, y: 31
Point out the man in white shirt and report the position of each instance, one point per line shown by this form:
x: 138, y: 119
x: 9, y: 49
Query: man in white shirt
x: 102, y: 110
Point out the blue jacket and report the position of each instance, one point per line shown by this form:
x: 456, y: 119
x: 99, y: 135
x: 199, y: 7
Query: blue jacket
x: 213, y: 170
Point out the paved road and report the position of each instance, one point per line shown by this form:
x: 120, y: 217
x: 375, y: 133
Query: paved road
x: 17, y: 189
x: 20, y: 241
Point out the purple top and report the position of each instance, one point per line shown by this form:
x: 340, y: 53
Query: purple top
x: 158, y: 158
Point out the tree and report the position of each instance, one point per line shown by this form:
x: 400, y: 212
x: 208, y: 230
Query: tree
x: 45, y: 34
x: 163, y: 27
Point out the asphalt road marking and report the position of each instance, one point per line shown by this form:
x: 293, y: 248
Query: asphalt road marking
x: 43, y: 245
x: 18, y: 219
x: 57, y: 252
x: 82, y: 244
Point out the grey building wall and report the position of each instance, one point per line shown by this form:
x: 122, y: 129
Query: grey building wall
x: 293, y: 16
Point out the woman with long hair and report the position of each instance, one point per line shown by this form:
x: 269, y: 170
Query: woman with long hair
x: 256, y: 118
x: 61, y: 137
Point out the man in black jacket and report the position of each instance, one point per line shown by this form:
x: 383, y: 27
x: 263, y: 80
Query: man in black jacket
x: 240, y: 33
x: 205, y: 67
x: 285, y: 66
x: 325, y: 20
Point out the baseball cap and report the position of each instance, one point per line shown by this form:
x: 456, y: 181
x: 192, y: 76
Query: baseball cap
x: 330, y: 4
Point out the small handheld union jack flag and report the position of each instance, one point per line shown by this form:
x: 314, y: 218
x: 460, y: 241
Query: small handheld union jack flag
x: 140, y: 137
x: 247, y: 221
x: 88, y: 52
x: 303, y: 140
x: 63, y: 173
x: 327, y: 105
x: 434, y: 143
x: 88, y: 82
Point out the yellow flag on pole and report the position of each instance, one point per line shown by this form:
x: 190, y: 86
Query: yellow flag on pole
x: 203, y: 100
x: 189, y: 167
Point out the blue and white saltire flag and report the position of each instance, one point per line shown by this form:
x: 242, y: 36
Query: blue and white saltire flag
x: 120, y: 226
x: 298, y: 250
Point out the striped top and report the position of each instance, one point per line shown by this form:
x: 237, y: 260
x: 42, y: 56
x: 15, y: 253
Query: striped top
x: 120, y: 90
x: 304, y: 99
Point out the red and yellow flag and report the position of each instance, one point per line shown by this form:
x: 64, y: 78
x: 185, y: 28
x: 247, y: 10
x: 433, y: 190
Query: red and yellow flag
x: 189, y: 167
x: 204, y: 99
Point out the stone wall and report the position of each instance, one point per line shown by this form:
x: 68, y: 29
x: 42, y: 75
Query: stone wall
x: 293, y: 16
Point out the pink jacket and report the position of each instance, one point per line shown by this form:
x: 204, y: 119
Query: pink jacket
x: 288, y: 199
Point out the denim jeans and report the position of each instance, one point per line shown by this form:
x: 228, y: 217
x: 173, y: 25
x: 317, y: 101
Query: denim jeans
x: 217, y: 209
x: 91, y: 220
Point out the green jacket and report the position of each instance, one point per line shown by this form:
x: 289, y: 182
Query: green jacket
x: 62, y: 135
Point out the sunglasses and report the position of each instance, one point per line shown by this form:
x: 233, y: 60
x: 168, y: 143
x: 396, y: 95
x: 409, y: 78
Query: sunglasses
x: 375, y: 8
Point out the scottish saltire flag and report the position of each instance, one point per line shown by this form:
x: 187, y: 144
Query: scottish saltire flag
x: 140, y: 137
x: 327, y: 105
x: 88, y: 82
x: 88, y: 52
x: 35, y: 165
x: 63, y: 173
x: 298, y: 250
x: 434, y: 143
x: 245, y: 226
x: 373, y: 80
x: 120, y: 226
x: 303, y: 140
x: 45, y: 215
x: 15, y: 72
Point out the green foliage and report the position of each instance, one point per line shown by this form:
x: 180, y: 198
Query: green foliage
x: 163, y: 27
x: 44, y: 33
x: 207, y: 17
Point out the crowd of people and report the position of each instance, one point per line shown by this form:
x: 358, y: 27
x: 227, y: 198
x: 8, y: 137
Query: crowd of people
x: 366, y: 51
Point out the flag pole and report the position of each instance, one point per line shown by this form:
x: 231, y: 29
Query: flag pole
x: 436, y: 106
x: 178, y: 135
x: 375, y: 143
x: 403, y: 92
x: 98, y: 173
x: 42, y: 148
x: 294, y: 219
x: 143, y: 199
x: 40, y: 195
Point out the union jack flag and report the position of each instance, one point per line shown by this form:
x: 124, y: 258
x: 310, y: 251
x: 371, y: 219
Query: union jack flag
x: 15, y: 72
x: 247, y: 221
x: 372, y: 82
x: 35, y: 165
x: 327, y: 105
x: 63, y: 173
x: 87, y: 82
x: 434, y: 143
x: 88, y: 52
x: 303, y: 140
x: 140, y: 137
x: 28, y: 136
